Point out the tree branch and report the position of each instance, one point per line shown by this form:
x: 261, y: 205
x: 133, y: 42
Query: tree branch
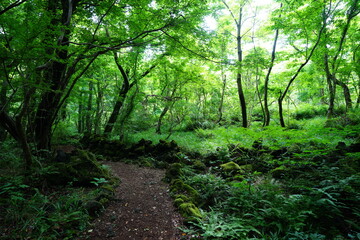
x: 11, y: 6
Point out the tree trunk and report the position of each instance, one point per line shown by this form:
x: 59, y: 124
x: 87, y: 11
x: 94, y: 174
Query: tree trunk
x: 99, y: 108
x: 57, y: 76
x: 88, y: 122
x: 128, y: 110
x: 307, y: 59
x: 281, y: 114
x: 346, y: 92
x: 331, y: 86
x: 331, y: 69
x: 267, y: 78
x: 24, y: 145
x: 120, y: 98
x: 169, y: 103
x: 239, y: 73
x: 159, y: 123
x: 81, y: 113
x: 125, y: 88
x: 222, y: 98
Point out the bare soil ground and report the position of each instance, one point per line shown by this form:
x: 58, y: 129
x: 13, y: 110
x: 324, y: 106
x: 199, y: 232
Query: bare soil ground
x: 142, y: 210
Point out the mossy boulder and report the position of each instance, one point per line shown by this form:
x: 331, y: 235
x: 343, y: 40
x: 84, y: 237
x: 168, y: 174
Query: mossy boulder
x: 189, y: 211
x: 199, y: 166
x: 174, y: 171
x: 81, y: 170
x: 230, y: 167
x: 179, y: 187
x: 180, y: 199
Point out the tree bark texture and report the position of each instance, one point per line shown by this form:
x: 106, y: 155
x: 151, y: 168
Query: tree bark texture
x: 346, y: 92
x: 57, y: 76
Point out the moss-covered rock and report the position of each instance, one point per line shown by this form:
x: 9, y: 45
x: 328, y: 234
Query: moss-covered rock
x: 180, y: 198
x: 189, y: 211
x: 179, y: 187
x: 199, y: 166
x: 174, y: 171
x: 81, y: 170
x: 230, y: 167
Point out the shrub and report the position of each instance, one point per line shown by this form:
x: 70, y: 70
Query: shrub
x: 211, y: 189
x: 309, y: 111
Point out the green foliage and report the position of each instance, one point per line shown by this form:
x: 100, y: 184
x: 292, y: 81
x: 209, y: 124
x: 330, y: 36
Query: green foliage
x: 215, y: 225
x: 211, y: 188
x: 30, y: 207
x: 307, y: 188
x: 308, y: 111
x: 99, y: 181
x: 32, y: 214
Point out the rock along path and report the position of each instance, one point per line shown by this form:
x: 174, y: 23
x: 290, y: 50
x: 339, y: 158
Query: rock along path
x: 142, y: 210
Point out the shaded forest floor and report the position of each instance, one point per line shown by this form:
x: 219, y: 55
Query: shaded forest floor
x: 274, y: 184
x: 142, y: 208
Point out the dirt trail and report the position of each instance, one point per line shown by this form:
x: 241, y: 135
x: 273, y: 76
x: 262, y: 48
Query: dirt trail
x: 142, y: 209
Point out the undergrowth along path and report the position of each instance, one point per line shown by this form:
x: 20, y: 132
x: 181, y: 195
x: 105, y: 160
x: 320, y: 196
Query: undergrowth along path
x: 142, y: 210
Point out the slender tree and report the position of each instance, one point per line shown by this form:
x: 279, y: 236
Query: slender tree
x: 239, y: 35
x: 267, y: 78
x: 308, y: 54
x: 332, y: 63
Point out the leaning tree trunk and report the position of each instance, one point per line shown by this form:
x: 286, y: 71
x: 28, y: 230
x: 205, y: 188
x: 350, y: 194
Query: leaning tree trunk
x: 267, y: 78
x: 127, y: 111
x: 126, y: 86
x: 169, y: 103
x: 346, y: 92
x: 283, y: 94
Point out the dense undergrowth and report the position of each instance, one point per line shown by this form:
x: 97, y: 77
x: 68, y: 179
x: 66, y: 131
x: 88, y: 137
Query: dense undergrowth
x: 301, y: 182
x: 56, y: 201
x: 288, y: 184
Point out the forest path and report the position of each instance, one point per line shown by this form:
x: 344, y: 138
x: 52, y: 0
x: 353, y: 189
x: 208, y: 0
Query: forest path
x: 142, y: 210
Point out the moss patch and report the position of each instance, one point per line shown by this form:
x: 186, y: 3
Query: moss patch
x: 189, y: 211
x: 80, y: 171
x: 174, y: 171
x: 178, y: 186
x: 230, y: 167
